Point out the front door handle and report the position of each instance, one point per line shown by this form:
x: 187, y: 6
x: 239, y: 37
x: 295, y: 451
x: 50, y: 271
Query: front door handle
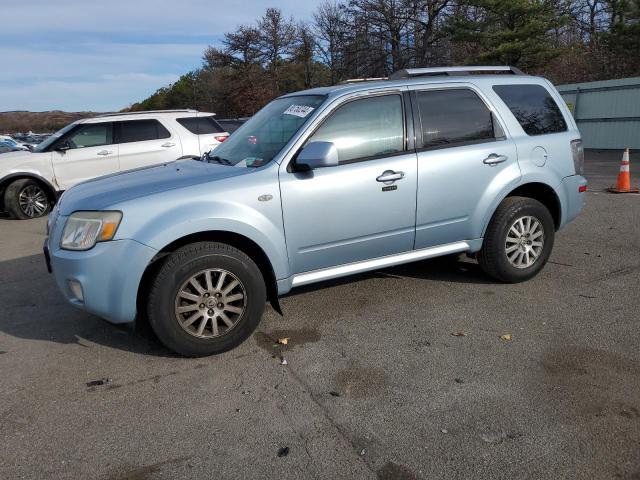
x: 168, y: 144
x: 495, y: 159
x: 389, y: 176
x: 105, y: 152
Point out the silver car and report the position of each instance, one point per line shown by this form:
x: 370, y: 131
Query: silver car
x: 322, y: 184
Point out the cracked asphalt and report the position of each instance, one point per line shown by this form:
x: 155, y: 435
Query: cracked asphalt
x: 375, y: 386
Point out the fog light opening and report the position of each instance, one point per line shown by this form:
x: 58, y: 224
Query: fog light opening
x: 75, y: 288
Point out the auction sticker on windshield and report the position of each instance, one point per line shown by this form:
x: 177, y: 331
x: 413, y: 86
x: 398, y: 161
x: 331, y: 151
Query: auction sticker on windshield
x: 299, y: 110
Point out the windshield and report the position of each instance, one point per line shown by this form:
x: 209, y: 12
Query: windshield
x: 256, y: 142
x: 41, y: 147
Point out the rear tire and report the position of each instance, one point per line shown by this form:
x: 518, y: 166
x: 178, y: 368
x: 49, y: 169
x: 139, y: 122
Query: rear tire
x: 25, y: 199
x: 206, y: 299
x: 518, y: 241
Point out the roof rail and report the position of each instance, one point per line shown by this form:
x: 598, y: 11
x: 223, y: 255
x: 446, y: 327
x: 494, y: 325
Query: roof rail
x: 426, y: 72
x: 142, y: 112
x: 358, y: 80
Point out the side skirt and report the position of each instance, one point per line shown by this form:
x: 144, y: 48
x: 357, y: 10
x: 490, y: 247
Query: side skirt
x: 377, y: 263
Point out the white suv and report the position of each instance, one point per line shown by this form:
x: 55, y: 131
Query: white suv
x: 30, y: 182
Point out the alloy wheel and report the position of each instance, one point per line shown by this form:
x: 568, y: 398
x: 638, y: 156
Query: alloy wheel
x: 210, y: 303
x: 33, y: 201
x: 524, y: 242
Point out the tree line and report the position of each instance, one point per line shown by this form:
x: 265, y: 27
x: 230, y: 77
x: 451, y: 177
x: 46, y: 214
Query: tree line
x: 563, y: 40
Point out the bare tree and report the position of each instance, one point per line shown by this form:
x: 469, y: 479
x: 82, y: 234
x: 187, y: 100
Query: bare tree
x: 245, y: 44
x: 277, y: 37
x: 304, y: 50
x: 330, y: 31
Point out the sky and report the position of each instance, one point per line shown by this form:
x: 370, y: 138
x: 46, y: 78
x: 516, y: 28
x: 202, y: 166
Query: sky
x: 103, y: 55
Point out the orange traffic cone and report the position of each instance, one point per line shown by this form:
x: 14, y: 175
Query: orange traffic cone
x: 624, y: 177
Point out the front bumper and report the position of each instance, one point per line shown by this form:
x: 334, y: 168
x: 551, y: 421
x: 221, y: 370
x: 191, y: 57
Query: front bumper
x: 108, y: 276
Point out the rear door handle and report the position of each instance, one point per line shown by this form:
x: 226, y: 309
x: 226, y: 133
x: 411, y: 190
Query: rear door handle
x: 495, y: 159
x: 389, y: 176
x: 168, y: 144
x: 105, y: 152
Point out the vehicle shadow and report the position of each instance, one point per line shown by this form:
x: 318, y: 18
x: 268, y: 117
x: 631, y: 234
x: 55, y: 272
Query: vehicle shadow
x: 34, y: 309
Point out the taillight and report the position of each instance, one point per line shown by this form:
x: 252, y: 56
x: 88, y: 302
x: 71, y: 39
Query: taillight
x: 578, y: 156
x: 221, y: 138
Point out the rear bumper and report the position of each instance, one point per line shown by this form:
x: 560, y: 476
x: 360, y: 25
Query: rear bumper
x: 108, y: 275
x: 572, y: 199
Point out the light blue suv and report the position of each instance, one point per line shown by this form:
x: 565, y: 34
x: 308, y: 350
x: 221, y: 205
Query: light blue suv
x: 321, y: 184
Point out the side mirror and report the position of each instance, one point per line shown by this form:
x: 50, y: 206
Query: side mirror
x: 62, y: 147
x: 318, y: 155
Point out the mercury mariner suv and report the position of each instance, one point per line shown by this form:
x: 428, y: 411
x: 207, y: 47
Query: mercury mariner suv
x: 30, y: 182
x: 321, y: 184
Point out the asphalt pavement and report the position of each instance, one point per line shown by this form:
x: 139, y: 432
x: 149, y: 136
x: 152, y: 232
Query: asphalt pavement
x: 396, y: 374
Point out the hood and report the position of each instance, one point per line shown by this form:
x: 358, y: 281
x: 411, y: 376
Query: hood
x: 104, y: 192
x: 12, y: 159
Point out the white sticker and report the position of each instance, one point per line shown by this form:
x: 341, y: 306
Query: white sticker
x: 299, y: 110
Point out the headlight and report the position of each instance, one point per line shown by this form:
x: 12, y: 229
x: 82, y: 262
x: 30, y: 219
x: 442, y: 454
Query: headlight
x: 84, y: 229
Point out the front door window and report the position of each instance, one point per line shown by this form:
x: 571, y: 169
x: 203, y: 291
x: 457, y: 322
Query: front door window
x: 365, y: 129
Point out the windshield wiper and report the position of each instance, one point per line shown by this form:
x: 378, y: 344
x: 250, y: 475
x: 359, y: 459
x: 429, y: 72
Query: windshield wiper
x: 217, y: 159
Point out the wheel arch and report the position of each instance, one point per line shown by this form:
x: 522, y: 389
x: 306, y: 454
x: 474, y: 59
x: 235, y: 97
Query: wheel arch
x: 51, y: 191
x: 241, y: 242
x: 542, y: 192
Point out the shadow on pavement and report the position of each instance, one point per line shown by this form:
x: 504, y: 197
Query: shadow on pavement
x: 34, y: 309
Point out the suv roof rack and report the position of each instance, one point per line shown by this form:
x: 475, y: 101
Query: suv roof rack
x: 426, y: 72
x: 358, y: 80
x: 142, y: 112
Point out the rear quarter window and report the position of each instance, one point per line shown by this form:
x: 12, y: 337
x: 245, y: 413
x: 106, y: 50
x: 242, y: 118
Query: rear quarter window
x: 200, y: 125
x: 534, y: 108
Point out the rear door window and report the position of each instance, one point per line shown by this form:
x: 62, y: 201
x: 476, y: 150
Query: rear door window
x: 200, y: 125
x: 454, y: 117
x: 141, y: 130
x: 534, y: 108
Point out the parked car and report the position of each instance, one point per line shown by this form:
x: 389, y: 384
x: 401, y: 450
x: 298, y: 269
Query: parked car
x: 93, y: 147
x: 28, y: 141
x: 7, y: 147
x: 5, y: 139
x: 321, y: 184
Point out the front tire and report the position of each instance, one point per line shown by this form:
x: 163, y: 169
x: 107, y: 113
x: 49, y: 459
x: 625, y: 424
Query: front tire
x: 518, y: 241
x: 25, y: 199
x: 206, y: 299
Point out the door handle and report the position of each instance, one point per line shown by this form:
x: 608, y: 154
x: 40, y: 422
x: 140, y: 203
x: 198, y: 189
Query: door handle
x: 168, y: 144
x: 389, y: 176
x: 495, y: 159
x: 105, y: 152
